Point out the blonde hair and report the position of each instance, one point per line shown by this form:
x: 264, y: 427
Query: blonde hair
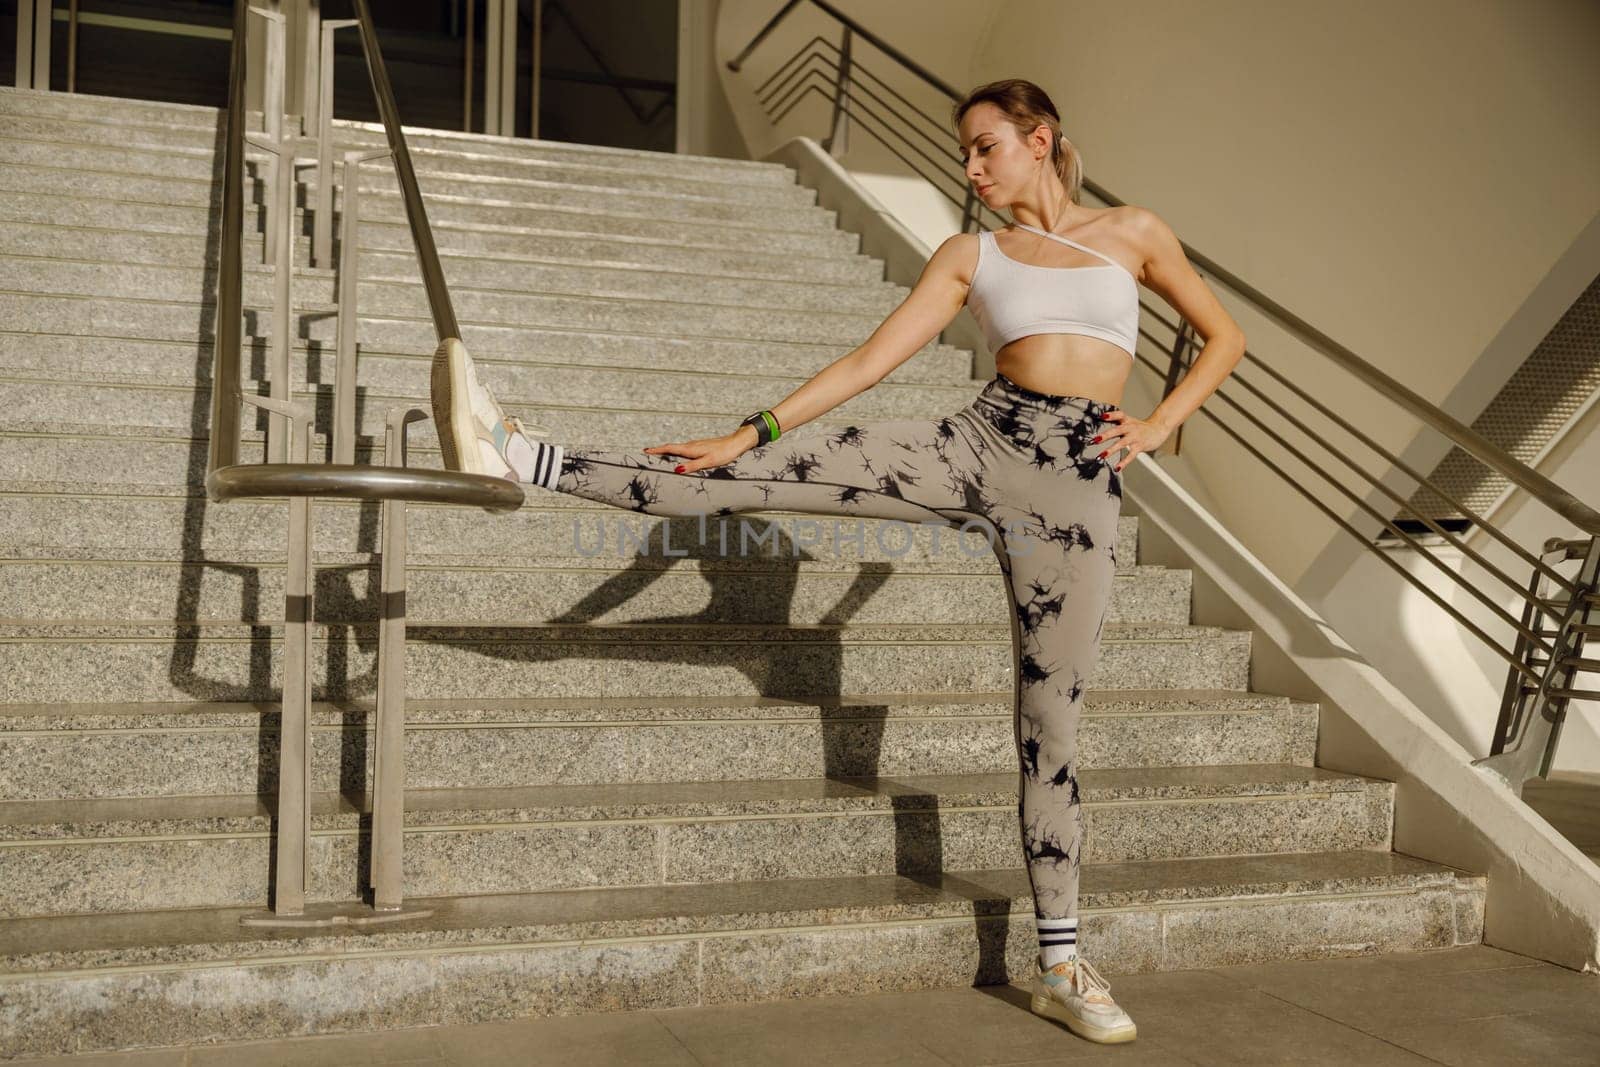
x: 1029, y: 107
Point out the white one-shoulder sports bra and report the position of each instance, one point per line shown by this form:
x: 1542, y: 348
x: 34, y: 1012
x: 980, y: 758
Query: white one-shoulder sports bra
x: 1012, y: 299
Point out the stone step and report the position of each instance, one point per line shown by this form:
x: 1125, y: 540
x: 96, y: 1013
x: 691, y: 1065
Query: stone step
x: 605, y: 224
x: 620, y: 414
x: 391, y: 378
x: 445, y: 199
x: 48, y: 145
x: 387, y: 250
x: 392, y: 285
x: 88, y: 119
x: 171, y: 320
x: 727, y: 589
x: 37, y: 245
x: 799, y: 256
x: 138, y: 854
x: 501, y: 352
x: 197, y: 976
x: 166, y: 522
x: 95, y: 660
x: 94, y: 751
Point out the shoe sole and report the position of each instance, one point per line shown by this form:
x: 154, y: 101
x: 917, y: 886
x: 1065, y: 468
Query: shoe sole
x: 1051, y: 1008
x: 451, y: 420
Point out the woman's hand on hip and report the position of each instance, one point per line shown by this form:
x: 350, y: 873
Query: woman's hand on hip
x: 1134, y: 435
x: 703, y: 453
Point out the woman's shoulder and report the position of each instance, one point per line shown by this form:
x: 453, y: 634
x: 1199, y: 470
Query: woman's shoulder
x: 957, y: 255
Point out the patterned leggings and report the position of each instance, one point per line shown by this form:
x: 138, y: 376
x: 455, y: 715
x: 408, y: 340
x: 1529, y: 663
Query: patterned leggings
x: 1019, y: 465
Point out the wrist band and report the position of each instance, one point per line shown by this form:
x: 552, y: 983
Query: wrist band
x: 766, y: 424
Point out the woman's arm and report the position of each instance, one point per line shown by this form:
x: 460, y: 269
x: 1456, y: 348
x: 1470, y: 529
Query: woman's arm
x: 1167, y: 271
x: 933, y: 302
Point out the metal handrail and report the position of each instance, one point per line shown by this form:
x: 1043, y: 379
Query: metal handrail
x: 1574, y: 600
x: 300, y: 481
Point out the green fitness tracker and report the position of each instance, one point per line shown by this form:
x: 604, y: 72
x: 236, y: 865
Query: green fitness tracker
x: 766, y: 424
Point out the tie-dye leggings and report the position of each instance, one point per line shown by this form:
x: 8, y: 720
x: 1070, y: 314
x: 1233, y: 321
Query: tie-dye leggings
x: 1015, y: 463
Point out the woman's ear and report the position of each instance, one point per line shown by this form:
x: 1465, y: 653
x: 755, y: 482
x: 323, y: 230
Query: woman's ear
x: 1040, y: 140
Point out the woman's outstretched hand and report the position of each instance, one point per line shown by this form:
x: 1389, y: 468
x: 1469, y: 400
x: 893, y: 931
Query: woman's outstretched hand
x: 706, y: 452
x: 1133, y: 434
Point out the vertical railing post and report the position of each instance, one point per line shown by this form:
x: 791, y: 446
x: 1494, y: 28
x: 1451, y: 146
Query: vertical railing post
x: 344, y: 374
x: 309, y: 15
x: 282, y: 226
x: 469, y: 61
x: 72, y: 47
x: 278, y: 172
x: 838, y: 126
x: 278, y: 238
x: 537, y: 54
x: 322, y: 219
x: 389, y: 754
x: 294, y: 722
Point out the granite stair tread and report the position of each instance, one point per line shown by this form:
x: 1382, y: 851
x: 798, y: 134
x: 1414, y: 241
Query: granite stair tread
x: 50, y: 157
x: 121, y: 119
x: 171, y: 360
x: 739, y: 217
x: 52, y: 945
x: 117, y: 318
x: 513, y: 630
x: 593, y: 709
x: 86, y: 276
x: 30, y: 820
x: 514, y: 561
x: 386, y: 243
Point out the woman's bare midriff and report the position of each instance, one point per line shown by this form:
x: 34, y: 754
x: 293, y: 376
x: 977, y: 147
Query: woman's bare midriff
x: 1065, y: 364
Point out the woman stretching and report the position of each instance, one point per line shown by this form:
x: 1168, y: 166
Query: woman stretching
x: 1026, y: 459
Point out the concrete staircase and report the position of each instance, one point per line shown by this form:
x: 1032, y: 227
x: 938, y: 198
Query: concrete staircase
x: 635, y: 781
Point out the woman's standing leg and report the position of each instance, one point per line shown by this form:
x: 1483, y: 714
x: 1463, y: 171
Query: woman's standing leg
x: 1058, y: 507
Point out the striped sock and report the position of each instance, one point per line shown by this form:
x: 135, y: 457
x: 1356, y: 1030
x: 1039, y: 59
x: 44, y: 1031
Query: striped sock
x: 1058, y: 940
x: 534, y: 461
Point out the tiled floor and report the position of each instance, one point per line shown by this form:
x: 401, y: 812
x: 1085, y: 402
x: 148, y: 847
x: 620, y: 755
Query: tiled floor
x: 1474, y: 1005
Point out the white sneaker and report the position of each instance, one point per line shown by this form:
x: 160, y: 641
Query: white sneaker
x: 474, y: 433
x: 1083, y: 1002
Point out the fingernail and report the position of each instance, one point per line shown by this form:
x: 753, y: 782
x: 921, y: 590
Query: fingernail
x: 680, y: 468
x: 1095, y: 441
x: 1101, y: 456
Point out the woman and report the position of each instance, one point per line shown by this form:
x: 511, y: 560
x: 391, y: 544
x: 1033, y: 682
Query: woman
x: 1027, y: 458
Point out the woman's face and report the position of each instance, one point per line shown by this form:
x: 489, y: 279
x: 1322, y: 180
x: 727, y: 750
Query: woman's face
x: 999, y: 164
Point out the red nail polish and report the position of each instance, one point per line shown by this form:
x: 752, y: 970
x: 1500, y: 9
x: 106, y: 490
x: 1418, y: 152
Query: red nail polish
x: 1095, y: 441
x: 680, y: 468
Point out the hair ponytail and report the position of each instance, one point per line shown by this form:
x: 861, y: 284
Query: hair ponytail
x: 1069, y: 166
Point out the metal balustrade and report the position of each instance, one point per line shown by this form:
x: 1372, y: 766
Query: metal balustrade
x: 1542, y: 664
x: 298, y: 480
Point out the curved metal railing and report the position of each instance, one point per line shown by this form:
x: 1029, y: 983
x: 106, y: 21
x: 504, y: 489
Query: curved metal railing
x: 1542, y: 663
x: 289, y: 434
